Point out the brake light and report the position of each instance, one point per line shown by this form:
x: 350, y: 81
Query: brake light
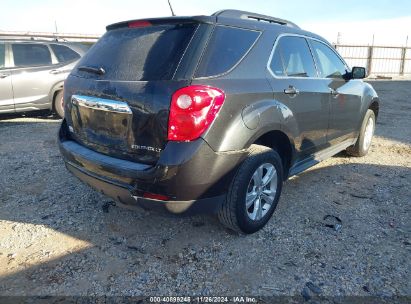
x: 192, y: 110
x: 138, y: 23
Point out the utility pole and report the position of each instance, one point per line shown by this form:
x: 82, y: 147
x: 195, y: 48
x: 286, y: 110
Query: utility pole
x: 171, y: 8
x: 56, y: 30
x: 339, y: 38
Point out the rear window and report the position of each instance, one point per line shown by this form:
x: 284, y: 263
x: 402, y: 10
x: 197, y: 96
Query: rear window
x: 2, y: 55
x: 64, y: 53
x: 27, y: 54
x: 148, y: 53
x: 225, y: 49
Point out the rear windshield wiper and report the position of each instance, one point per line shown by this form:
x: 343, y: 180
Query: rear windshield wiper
x: 98, y: 71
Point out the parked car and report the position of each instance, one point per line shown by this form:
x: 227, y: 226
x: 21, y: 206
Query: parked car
x: 32, y: 73
x: 211, y: 113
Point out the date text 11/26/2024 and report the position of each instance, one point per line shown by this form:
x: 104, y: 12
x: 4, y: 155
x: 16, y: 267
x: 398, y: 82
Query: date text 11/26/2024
x: 203, y: 299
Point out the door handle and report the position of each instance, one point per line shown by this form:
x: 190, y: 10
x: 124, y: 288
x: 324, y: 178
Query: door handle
x: 54, y: 72
x: 292, y: 91
x: 4, y: 75
x: 334, y: 93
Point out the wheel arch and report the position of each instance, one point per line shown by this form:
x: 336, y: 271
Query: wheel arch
x: 370, y: 101
x: 279, y: 141
x: 53, y: 92
x: 375, y: 106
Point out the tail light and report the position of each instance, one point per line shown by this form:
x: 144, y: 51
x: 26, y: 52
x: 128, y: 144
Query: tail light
x: 138, y: 23
x: 192, y: 110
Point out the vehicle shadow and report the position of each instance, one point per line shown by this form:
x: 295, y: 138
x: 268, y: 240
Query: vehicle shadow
x: 39, y: 116
x: 73, y: 241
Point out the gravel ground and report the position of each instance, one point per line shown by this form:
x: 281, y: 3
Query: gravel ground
x: 59, y: 237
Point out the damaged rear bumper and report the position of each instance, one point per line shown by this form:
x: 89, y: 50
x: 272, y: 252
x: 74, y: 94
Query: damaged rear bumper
x: 193, y: 176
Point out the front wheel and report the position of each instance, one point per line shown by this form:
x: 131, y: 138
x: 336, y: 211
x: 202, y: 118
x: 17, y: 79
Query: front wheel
x: 254, y: 191
x: 363, y: 143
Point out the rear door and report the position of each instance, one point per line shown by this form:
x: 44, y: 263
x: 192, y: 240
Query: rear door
x: 345, y: 96
x: 296, y: 84
x: 32, y: 75
x: 117, y: 98
x: 6, y: 90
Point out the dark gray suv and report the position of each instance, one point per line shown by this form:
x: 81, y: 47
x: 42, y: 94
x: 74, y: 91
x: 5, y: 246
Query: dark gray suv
x: 32, y: 73
x: 211, y: 113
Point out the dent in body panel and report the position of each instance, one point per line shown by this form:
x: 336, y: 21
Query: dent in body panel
x: 229, y: 131
x: 266, y: 111
x: 254, y: 121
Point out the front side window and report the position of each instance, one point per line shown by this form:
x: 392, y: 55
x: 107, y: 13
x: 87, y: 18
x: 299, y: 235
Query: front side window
x: 329, y: 64
x: 64, y: 53
x: 27, y: 54
x: 295, y: 57
x: 2, y: 55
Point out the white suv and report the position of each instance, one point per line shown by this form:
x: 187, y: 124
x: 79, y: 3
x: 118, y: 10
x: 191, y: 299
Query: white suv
x: 32, y: 74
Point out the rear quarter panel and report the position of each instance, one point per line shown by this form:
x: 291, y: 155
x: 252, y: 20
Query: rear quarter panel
x: 250, y: 109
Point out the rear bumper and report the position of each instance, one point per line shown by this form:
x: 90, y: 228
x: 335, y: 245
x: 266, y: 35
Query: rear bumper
x: 191, y: 174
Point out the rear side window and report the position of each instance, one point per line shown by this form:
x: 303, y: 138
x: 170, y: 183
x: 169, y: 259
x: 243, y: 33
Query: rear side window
x: 64, y: 53
x: 292, y: 57
x: 31, y: 54
x: 2, y: 55
x: 329, y: 64
x: 147, y: 53
x: 225, y: 49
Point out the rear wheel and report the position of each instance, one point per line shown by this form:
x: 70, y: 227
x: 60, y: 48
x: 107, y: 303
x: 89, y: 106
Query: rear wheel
x: 254, y: 191
x: 58, y: 104
x: 363, y: 143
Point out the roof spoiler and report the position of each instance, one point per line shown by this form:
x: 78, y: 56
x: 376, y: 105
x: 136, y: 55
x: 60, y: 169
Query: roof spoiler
x: 253, y: 16
x: 163, y: 20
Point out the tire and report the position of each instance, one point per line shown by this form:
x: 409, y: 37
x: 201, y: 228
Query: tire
x: 234, y: 214
x: 363, y: 143
x: 58, y: 104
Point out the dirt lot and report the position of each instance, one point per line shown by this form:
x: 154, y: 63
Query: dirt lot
x: 59, y: 237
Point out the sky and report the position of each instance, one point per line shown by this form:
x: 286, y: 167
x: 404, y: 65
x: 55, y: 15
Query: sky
x: 386, y: 22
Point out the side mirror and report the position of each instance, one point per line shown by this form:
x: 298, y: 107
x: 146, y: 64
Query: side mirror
x: 358, y: 73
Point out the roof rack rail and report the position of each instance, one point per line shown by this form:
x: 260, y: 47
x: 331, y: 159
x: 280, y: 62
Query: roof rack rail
x: 253, y: 16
